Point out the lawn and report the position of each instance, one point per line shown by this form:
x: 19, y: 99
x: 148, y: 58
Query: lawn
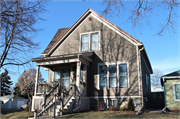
x: 22, y: 114
x: 105, y: 114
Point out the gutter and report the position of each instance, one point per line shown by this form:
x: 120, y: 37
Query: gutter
x: 139, y: 110
x: 163, y: 110
x: 140, y: 82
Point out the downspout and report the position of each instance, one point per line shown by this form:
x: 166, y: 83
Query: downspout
x: 140, y: 81
x: 79, y: 88
x: 163, y: 110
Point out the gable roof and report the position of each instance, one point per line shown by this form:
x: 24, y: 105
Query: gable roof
x: 57, y: 37
x: 176, y: 73
x: 63, y: 33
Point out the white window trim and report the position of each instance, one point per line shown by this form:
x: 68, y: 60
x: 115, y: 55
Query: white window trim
x: 112, y: 102
x: 118, y: 79
x: 89, y: 47
x: 175, y: 92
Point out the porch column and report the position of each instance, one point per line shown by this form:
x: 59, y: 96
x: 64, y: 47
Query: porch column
x: 85, y: 76
x: 37, y: 77
x: 78, y: 75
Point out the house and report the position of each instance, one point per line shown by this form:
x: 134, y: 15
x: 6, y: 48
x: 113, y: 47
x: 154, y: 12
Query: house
x: 171, y: 83
x: 108, y: 66
x: 12, y: 101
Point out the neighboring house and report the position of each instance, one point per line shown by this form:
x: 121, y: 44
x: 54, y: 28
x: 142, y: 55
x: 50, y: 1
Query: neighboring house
x: 114, y: 65
x: 171, y: 83
x: 12, y: 101
x: 157, y: 88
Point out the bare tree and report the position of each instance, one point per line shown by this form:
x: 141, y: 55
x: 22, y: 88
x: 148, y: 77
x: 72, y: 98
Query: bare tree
x: 155, y: 77
x: 18, y: 18
x: 138, y: 11
x: 26, y: 83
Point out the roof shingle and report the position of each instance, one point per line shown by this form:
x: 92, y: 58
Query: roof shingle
x: 56, y: 38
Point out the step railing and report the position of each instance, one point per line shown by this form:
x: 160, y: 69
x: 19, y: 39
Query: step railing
x: 49, y: 97
x: 49, y: 111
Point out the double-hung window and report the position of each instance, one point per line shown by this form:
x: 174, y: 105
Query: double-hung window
x: 123, y: 75
x: 103, y: 75
x: 176, y: 87
x: 85, y: 42
x: 113, y: 75
x: 90, y: 41
x: 94, y: 41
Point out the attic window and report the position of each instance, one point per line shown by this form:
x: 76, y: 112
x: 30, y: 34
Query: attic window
x: 90, y: 18
x: 90, y: 41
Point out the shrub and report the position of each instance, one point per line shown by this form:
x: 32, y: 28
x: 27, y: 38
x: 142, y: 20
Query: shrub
x: 130, y: 105
x: 123, y: 109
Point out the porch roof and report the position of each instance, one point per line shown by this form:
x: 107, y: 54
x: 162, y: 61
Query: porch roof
x: 68, y: 58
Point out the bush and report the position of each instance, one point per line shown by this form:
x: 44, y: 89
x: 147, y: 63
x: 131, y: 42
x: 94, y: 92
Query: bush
x: 130, y: 105
x: 123, y: 109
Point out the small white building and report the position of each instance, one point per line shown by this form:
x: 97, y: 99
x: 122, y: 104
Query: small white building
x: 157, y: 89
x: 12, y: 101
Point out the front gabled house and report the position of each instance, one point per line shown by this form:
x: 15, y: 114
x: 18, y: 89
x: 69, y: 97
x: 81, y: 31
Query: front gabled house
x: 92, y: 65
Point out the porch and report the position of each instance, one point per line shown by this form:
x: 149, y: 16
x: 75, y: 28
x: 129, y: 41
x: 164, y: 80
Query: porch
x: 65, y: 75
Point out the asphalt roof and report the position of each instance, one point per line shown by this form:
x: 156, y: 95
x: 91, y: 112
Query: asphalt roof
x: 55, y: 39
x: 176, y: 73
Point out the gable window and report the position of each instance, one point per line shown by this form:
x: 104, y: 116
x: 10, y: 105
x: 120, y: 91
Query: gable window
x: 103, y: 75
x: 94, y: 41
x: 112, y: 76
x: 176, y: 87
x: 85, y: 43
x: 90, y: 41
x: 123, y: 75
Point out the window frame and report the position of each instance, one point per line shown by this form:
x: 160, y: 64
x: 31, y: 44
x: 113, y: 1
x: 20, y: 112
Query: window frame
x: 175, y: 91
x: 90, y: 43
x: 108, y: 74
x: 112, y: 102
x: 99, y: 76
x: 127, y: 76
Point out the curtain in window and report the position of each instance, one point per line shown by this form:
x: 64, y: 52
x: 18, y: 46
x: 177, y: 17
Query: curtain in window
x: 57, y: 74
x: 112, y: 75
x: 103, y: 75
x: 66, y: 77
x: 85, y: 43
x: 177, y: 90
x: 123, y: 75
x: 94, y: 41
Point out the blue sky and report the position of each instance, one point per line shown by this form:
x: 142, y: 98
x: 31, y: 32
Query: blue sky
x: 163, y: 52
